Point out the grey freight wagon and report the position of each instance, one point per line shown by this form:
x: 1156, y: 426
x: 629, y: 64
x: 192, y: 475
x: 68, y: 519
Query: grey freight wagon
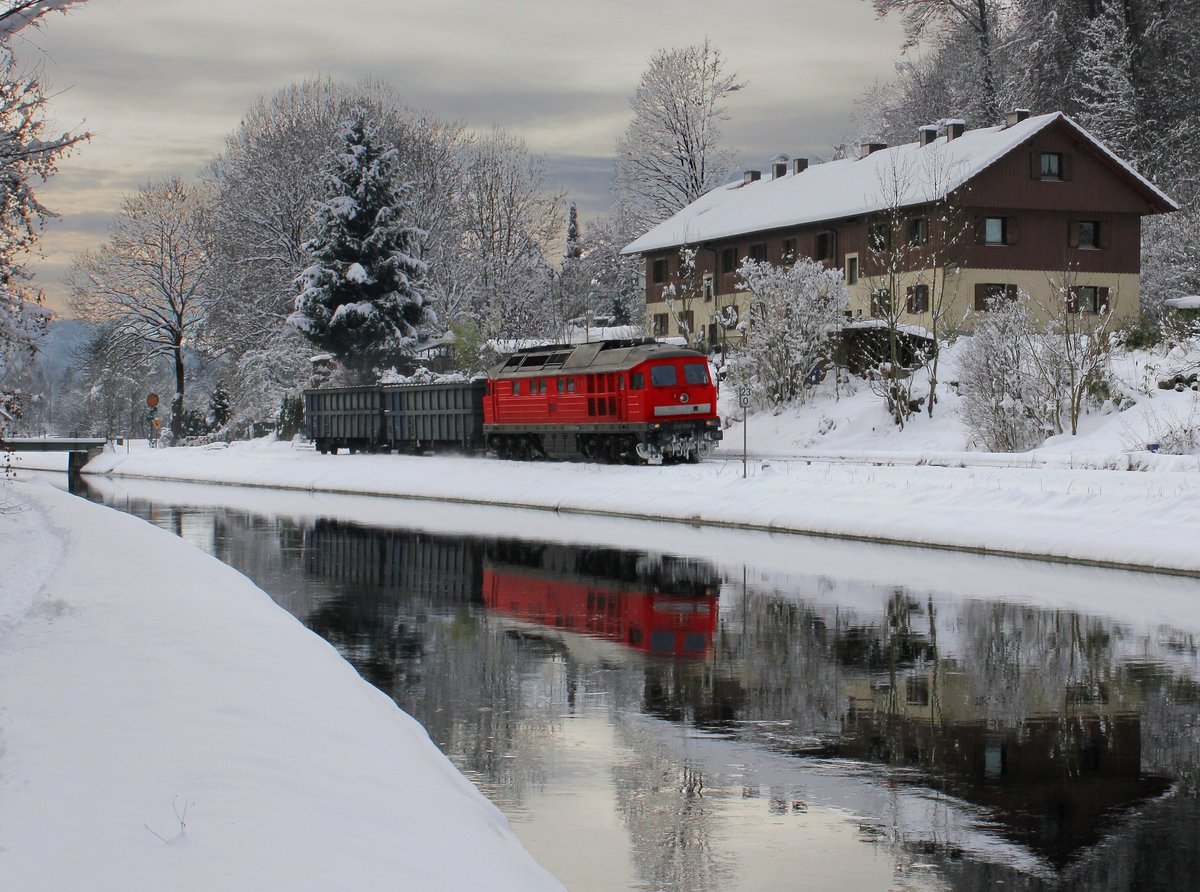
x: 401, y: 417
x: 435, y: 417
x: 344, y: 418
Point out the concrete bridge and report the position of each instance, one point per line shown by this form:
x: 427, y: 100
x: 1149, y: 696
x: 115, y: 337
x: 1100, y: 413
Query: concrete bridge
x: 81, y: 449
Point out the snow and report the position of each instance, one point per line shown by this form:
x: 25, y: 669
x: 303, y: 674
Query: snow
x: 166, y: 725
x: 1051, y: 510
x: 904, y: 175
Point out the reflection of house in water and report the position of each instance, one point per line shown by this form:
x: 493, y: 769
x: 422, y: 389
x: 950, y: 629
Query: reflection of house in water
x: 1046, y: 734
x: 655, y: 603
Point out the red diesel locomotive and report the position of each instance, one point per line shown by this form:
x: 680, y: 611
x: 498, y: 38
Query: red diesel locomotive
x: 633, y: 401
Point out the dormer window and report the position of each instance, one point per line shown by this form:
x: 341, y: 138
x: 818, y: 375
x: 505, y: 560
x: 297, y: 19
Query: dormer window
x: 1052, y: 165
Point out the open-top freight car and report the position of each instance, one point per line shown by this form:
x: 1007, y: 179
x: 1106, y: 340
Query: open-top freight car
x: 634, y: 401
x: 396, y: 417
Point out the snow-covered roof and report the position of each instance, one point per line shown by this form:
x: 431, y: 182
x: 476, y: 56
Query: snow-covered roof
x: 1187, y: 302
x: 900, y: 176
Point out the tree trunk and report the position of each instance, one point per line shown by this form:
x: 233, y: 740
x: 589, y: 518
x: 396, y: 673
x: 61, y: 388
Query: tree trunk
x: 177, y: 400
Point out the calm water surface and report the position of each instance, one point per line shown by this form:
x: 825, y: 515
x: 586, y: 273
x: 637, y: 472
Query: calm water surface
x: 672, y: 719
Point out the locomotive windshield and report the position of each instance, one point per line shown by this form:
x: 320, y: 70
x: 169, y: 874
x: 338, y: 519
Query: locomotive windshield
x: 663, y: 376
x: 695, y: 373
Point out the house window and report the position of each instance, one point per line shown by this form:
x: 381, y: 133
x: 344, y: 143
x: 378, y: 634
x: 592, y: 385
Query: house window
x: 995, y: 230
x: 687, y: 323
x: 1089, y: 234
x: 881, y: 302
x: 728, y: 260
x: 758, y: 251
x: 1087, y: 299
x: 917, y: 299
x: 789, y: 250
x: 658, y: 325
x: 1052, y: 165
x: 991, y: 293
x: 706, y: 287
x: 880, y: 237
x: 851, y: 269
x: 825, y: 245
x: 659, y: 273
x: 916, y: 231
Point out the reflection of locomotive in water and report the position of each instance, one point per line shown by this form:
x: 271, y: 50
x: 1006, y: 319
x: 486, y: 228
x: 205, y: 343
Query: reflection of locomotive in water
x: 659, y: 604
x: 654, y: 603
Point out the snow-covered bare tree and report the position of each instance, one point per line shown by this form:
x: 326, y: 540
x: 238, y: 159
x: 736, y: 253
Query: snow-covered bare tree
x: 683, y: 295
x: 672, y: 153
x: 150, y: 282
x: 1073, y: 349
x: 980, y: 17
x: 999, y: 409
x: 362, y: 297
x: 791, y: 327
x: 17, y: 14
x: 28, y: 155
x: 616, y: 278
x: 509, y: 218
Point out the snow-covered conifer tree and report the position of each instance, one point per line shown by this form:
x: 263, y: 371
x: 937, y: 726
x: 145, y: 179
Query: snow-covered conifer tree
x: 363, y: 296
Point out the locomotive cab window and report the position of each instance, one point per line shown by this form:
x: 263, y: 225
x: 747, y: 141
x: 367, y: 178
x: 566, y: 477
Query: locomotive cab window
x: 516, y: 388
x: 570, y: 385
x: 663, y: 376
x: 695, y: 373
x: 637, y: 381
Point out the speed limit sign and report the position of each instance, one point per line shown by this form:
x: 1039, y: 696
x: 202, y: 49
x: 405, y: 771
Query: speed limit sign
x: 744, y: 397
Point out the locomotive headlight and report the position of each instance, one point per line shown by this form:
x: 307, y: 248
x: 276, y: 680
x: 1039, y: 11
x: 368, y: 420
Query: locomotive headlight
x: 683, y: 397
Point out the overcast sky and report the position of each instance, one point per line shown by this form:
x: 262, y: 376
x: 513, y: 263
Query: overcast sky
x: 160, y: 83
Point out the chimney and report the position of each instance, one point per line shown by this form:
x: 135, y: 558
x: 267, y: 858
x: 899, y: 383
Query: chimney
x: 1016, y: 116
x: 750, y: 176
x: 799, y: 165
x: 955, y: 128
x: 869, y: 148
x: 779, y: 166
x: 927, y: 134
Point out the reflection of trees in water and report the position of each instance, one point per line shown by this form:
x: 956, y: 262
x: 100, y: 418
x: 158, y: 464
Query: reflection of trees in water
x: 671, y: 823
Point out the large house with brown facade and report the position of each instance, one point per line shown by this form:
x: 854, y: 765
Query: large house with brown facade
x: 997, y: 211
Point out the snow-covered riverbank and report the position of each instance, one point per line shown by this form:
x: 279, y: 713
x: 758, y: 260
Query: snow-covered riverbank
x: 1144, y: 520
x: 165, y: 725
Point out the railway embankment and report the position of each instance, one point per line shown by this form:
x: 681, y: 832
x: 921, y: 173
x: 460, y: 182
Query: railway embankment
x: 1140, y: 520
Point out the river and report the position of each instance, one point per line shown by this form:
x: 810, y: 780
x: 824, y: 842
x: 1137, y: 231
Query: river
x: 663, y: 707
